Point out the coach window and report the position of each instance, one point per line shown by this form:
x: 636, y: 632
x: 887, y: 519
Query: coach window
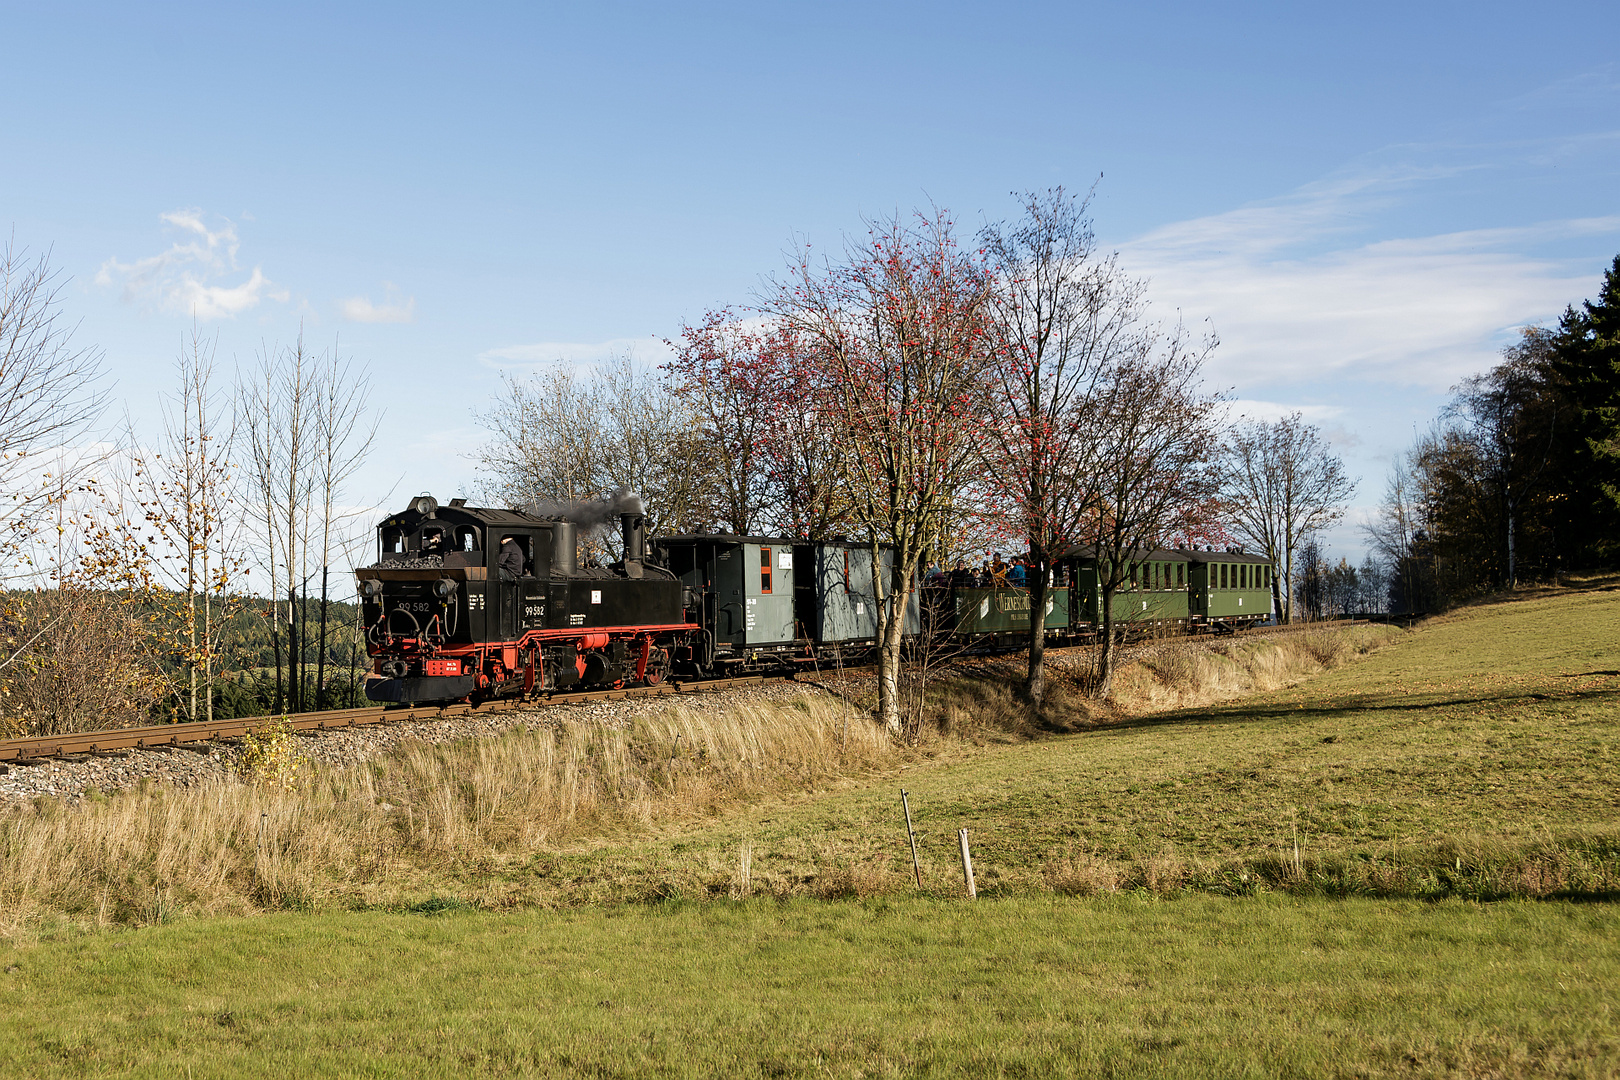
x: 764, y: 569
x: 1223, y: 575
x: 846, y: 569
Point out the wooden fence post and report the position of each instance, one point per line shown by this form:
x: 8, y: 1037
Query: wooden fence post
x: 967, y: 866
x: 912, y: 836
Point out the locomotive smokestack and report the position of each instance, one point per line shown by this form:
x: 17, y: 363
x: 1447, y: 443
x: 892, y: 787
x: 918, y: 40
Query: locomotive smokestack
x: 634, y: 524
x: 563, y: 548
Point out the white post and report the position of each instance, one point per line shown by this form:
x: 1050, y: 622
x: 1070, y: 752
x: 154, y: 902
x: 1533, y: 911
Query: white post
x: 967, y: 865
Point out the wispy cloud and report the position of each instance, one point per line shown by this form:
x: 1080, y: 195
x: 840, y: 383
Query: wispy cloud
x: 360, y: 309
x: 187, y: 278
x: 648, y: 351
x: 1293, y: 303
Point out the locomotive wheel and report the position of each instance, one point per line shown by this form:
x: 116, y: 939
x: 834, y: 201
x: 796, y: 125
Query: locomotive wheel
x: 657, y: 667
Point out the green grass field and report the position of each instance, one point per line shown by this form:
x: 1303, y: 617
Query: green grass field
x: 1405, y: 866
x: 1126, y: 986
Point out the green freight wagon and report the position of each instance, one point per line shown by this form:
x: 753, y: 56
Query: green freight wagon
x: 1230, y: 589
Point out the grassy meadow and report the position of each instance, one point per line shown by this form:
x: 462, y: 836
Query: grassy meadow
x: 1029, y: 986
x: 1347, y: 852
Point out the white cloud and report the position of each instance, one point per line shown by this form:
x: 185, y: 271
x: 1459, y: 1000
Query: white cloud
x: 647, y: 351
x: 1422, y: 311
x: 185, y: 278
x: 360, y: 309
x: 1271, y: 411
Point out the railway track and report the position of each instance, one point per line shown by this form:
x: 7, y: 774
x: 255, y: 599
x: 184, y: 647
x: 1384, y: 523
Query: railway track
x: 88, y: 744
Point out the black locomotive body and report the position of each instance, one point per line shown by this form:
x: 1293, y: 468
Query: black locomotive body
x: 444, y: 620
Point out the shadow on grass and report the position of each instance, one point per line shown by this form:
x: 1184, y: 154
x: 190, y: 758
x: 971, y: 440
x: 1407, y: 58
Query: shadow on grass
x: 1381, y: 703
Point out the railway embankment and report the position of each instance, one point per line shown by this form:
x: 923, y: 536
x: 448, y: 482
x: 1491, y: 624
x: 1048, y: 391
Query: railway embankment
x: 1468, y: 758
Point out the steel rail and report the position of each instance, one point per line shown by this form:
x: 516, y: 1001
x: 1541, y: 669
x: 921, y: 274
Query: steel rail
x: 167, y: 735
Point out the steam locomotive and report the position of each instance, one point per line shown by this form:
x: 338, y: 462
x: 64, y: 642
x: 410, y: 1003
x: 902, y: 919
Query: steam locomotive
x: 475, y: 603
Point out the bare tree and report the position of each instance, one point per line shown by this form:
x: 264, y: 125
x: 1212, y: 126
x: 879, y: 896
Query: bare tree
x: 177, y: 527
x: 50, y: 395
x: 1397, y: 532
x: 652, y: 445
x: 547, y: 432
x: 726, y: 372
x: 1282, y: 482
x: 1373, y: 586
x: 342, y: 441
x: 302, y: 420
x: 1062, y: 317
x: 563, y: 440
x: 277, y: 419
x: 1157, y: 430
x: 895, y: 349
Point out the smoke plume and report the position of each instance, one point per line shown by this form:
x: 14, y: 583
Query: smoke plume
x: 587, y: 513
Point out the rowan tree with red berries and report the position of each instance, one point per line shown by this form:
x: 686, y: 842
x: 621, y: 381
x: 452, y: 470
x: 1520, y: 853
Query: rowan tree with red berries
x: 894, y: 352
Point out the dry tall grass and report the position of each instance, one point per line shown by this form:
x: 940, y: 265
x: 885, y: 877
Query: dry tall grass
x: 370, y: 834
x: 386, y: 832
x: 1182, y: 674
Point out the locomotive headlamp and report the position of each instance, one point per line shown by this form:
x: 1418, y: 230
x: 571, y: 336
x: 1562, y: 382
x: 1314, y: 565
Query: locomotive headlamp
x: 445, y: 588
x: 424, y: 504
x: 371, y: 588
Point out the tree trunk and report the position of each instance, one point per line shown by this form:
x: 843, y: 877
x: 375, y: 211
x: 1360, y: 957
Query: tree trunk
x: 1276, y: 594
x: 1512, y: 570
x: 1035, y: 685
x: 1286, y: 612
x: 295, y: 677
x: 889, y: 654
x: 320, y: 657
x: 1105, y: 655
x: 191, y: 646
x: 275, y: 642
x: 208, y: 644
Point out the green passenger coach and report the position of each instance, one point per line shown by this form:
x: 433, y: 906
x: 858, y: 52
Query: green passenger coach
x: 1229, y: 589
x: 1153, y: 598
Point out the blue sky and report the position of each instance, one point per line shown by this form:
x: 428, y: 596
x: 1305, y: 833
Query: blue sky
x: 1363, y: 200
